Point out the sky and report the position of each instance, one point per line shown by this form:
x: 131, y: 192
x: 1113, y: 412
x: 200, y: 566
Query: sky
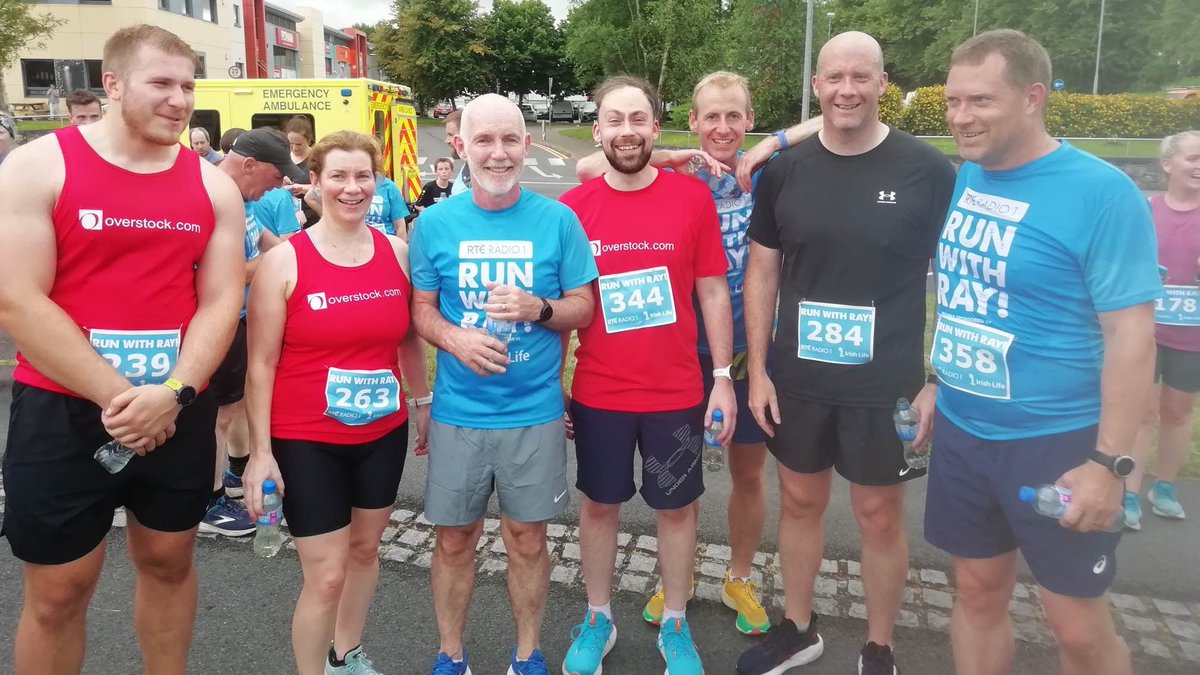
x: 343, y: 13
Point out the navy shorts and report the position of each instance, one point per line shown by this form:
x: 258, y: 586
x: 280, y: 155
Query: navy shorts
x: 669, y: 442
x: 747, y: 431
x: 228, y: 382
x: 972, y: 509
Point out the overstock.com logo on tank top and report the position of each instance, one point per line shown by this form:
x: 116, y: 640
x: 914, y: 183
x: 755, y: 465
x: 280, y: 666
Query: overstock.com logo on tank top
x: 94, y: 220
x: 319, y: 301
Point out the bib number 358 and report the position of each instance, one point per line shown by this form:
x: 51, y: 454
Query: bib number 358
x: 358, y: 397
x: 972, y: 357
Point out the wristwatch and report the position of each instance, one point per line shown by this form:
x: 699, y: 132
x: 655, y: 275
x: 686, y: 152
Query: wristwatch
x: 1121, y: 466
x: 547, y: 311
x: 783, y: 142
x: 185, y: 394
x: 423, y: 400
x: 723, y: 372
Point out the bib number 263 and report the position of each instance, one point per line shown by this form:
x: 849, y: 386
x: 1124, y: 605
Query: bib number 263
x: 358, y: 397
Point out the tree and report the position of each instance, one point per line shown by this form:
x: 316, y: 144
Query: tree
x: 434, y: 46
x: 768, y: 49
x: 21, y: 27
x: 524, y: 46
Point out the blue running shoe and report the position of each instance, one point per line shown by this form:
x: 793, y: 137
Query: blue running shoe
x: 1133, y: 511
x: 227, y: 518
x: 592, y: 640
x: 677, y: 648
x: 534, y: 665
x: 232, y: 484
x: 448, y: 666
x: 1164, y: 502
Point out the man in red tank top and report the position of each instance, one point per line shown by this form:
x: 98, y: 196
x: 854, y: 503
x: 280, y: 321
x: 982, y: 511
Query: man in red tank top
x: 120, y: 282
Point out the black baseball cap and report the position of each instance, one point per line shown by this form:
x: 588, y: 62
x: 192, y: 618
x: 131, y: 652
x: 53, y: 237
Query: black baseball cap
x: 270, y: 146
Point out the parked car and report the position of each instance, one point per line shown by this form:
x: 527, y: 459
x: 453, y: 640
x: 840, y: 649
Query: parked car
x: 585, y: 111
x: 528, y: 112
x: 442, y: 109
x: 562, y: 111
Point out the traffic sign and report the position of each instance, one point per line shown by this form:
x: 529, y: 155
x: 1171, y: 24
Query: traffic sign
x: 1059, y: 85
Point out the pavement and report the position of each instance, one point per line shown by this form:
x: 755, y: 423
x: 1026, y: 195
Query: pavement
x: 245, y: 602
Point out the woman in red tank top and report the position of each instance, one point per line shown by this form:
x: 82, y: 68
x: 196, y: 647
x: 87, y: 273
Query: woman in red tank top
x: 329, y: 337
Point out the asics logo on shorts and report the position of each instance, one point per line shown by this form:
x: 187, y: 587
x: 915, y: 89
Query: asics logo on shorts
x: 317, y: 301
x: 1102, y: 563
x: 91, y: 219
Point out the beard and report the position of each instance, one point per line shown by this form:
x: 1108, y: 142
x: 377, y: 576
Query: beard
x: 145, y: 124
x: 627, y: 164
x: 482, y: 179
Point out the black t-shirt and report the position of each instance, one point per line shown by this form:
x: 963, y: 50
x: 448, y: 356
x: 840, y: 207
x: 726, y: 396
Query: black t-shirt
x: 854, y: 230
x: 432, y: 194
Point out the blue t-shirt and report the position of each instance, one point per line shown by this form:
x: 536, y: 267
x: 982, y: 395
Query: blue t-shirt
x: 250, y: 245
x: 538, y: 245
x: 276, y: 211
x: 1027, y: 259
x: 387, y: 206
x: 733, y: 208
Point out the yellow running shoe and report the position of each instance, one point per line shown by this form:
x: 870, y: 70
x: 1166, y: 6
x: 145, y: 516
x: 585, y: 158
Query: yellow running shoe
x: 653, y: 612
x: 742, y: 596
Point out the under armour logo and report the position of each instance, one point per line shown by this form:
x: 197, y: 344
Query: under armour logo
x: 886, y: 197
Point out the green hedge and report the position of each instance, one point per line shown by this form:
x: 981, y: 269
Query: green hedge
x: 1074, y: 115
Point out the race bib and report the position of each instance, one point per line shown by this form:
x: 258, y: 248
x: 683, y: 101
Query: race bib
x: 1180, y: 306
x: 971, y: 357
x: 141, y: 356
x: 358, y: 397
x: 640, y: 299
x: 831, y: 333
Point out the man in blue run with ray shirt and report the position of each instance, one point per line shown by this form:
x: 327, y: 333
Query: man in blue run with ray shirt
x: 498, y: 276
x: 1044, y: 348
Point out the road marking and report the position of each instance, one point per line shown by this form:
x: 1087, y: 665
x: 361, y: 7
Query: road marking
x: 8, y: 362
x: 557, y: 161
x: 550, y: 150
x: 530, y: 161
x: 541, y: 173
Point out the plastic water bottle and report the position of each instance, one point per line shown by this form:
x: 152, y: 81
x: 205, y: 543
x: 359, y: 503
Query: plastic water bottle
x: 503, y: 331
x: 268, y: 538
x: 1052, y: 501
x: 714, y: 454
x: 906, y: 418
x: 113, y: 456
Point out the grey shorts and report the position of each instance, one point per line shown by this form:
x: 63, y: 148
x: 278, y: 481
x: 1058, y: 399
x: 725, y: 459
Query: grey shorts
x: 527, y: 467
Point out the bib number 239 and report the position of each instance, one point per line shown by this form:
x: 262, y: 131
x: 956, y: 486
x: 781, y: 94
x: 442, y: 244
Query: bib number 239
x: 971, y: 357
x: 832, y: 333
x: 640, y: 299
x: 358, y: 397
x: 141, y: 356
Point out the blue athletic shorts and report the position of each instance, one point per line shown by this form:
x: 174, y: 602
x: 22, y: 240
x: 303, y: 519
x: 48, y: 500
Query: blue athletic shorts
x: 972, y: 509
x: 747, y: 431
x: 670, y: 444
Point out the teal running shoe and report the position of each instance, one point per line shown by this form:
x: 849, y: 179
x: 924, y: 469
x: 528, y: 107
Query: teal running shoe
x: 677, y: 648
x: 592, y: 640
x: 355, y: 663
x: 1133, y: 511
x: 1164, y: 502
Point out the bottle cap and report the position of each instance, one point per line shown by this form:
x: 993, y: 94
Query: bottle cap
x: 268, y: 487
x: 718, y: 416
x: 1027, y: 494
x: 902, y: 403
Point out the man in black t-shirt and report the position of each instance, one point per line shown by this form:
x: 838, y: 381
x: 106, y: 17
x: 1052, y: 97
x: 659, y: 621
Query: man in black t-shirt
x: 843, y: 229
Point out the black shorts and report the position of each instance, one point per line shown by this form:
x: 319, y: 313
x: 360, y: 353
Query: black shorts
x: 1180, y: 370
x: 228, y: 383
x: 670, y: 444
x: 60, y: 501
x: 322, y: 482
x: 861, y: 443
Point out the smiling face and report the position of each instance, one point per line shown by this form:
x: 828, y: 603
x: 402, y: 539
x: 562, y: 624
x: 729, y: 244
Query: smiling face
x: 155, y: 95
x: 495, y: 144
x: 849, y: 82
x: 1183, y: 166
x: 721, y: 116
x: 346, y: 184
x: 992, y: 119
x: 626, y: 129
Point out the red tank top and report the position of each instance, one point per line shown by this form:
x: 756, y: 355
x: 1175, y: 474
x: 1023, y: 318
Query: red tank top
x: 338, y: 378
x: 128, y: 247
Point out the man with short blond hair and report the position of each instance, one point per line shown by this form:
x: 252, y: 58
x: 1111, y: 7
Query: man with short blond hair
x: 120, y: 280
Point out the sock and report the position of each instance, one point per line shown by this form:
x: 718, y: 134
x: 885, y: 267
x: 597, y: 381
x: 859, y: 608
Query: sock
x: 669, y: 614
x: 216, y: 496
x: 605, y: 609
x: 237, y: 465
x: 333, y: 659
x: 744, y: 580
x: 800, y: 628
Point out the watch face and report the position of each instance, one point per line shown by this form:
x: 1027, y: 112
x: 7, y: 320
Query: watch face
x: 186, y: 396
x: 1123, y: 466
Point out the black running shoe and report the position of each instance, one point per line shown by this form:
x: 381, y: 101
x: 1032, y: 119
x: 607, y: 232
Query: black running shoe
x: 783, y: 648
x: 877, y: 660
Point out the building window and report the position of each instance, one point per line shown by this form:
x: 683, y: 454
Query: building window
x: 281, y: 21
x: 201, y: 66
x: 284, y: 61
x: 65, y: 74
x: 205, y: 10
x: 237, y: 16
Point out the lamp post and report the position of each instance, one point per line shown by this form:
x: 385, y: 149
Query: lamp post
x: 1099, y: 39
x: 807, y: 84
x: 975, y: 27
x: 829, y: 27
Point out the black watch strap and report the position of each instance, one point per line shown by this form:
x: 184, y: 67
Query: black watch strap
x: 547, y: 311
x: 1120, y: 466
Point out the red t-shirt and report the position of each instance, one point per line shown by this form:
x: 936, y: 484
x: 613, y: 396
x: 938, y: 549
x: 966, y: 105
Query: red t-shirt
x: 1178, y: 251
x: 639, y: 352
x: 127, y: 248
x: 338, y: 379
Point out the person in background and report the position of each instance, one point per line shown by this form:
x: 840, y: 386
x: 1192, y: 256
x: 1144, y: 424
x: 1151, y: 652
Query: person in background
x: 83, y: 107
x: 462, y: 182
x: 52, y: 100
x: 228, y: 138
x: 300, y: 136
x: 438, y: 189
x: 8, y: 136
x: 1177, y: 222
x: 202, y: 144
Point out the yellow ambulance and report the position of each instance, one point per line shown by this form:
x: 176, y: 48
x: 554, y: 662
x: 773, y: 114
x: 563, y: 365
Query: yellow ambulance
x: 381, y: 109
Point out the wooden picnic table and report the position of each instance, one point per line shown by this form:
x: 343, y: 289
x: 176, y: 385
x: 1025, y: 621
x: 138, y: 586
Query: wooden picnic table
x: 28, y: 108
